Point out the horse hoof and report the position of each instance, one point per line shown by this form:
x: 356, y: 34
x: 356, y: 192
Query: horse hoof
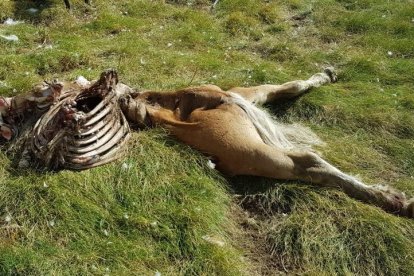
x: 330, y: 71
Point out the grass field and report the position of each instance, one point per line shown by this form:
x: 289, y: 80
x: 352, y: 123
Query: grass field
x: 162, y: 209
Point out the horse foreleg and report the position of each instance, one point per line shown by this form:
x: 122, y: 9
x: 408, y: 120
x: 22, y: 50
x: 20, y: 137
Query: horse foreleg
x: 310, y: 168
x: 268, y: 93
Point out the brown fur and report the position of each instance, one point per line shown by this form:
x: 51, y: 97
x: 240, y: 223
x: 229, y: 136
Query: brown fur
x: 209, y: 119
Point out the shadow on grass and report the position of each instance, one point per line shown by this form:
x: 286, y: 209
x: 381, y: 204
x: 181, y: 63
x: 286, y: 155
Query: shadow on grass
x: 31, y: 10
x: 45, y: 12
x: 265, y: 197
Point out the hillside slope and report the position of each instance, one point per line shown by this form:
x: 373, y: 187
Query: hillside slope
x: 162, y: 208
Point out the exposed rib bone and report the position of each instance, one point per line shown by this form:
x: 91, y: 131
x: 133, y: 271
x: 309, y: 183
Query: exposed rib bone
x: 99, y: 116
x: 103, y: 103
x: 93, y: 129
x: 113, y: 154
x: 99, y: 133
x: 106, y: 137
x: 105, y: 147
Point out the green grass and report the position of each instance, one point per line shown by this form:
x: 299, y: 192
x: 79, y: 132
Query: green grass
x: 155, y: 215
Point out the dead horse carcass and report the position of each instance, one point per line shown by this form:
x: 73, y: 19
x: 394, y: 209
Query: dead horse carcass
x: 225, y: 125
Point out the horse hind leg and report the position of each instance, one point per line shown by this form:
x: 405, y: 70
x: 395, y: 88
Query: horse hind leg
x: 313, y: 169
x: 269, y: 92
x: 310, y: 168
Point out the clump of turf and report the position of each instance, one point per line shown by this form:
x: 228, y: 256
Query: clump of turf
x: 144, y: 214
x: 313, y: 231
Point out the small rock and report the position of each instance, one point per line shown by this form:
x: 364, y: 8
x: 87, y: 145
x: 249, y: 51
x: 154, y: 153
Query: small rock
x: 82, y: 81
x: 211, y: 165
x: 32, y: 10
x: 169, y: 44
x: 125, y: 166
x: 10, y: 37
x: 7, y: 218
x: 390, y: 54
x: 11, y: 22
x: 45, y: 185
x: 23, y: 163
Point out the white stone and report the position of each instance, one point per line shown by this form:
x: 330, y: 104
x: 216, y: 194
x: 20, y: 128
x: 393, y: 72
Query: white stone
x: 32, y: 10
x: 82, y: 81
x: 10, y: 37
x: 11, y: 22
x: 211, y: 165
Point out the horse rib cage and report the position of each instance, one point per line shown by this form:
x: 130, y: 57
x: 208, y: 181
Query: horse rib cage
x: 83, y: 129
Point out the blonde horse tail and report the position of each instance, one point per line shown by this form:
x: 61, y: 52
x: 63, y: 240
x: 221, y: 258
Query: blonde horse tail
x: 274, y: 133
